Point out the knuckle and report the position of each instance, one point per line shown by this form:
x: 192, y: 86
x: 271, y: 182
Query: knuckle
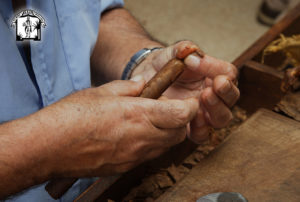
x: 182, y: 114
x: 234, y: 71
x: 134, y: 113
x: 230, y: 71
x: 129, y: 114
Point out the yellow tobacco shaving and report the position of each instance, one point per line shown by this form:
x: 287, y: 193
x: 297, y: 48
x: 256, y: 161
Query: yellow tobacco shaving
x: 290, y: 46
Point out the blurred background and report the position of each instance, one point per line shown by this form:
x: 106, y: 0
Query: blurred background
x: 223, y: 28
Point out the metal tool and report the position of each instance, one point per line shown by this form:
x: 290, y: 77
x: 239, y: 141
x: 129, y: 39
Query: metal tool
x: 223, y: 197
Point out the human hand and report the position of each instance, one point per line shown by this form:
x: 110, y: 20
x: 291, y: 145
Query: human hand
x: 104, y: 131
x: 209, y: 80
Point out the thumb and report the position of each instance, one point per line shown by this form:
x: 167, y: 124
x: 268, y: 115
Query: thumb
x: 133, y: 87
x: 179, y: 50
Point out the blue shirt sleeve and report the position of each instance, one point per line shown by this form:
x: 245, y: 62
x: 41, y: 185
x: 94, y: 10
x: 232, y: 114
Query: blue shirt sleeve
x: 106, y: 5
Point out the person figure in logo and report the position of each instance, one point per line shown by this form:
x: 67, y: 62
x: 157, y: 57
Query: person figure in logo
x: 29, y: 27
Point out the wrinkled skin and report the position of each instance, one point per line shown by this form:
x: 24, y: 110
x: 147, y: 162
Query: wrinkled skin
x: 118, y: 131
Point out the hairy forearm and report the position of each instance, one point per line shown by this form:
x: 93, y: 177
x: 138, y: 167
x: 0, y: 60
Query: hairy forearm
x: 119, y: 37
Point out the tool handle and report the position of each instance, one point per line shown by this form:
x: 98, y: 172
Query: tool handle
x: 58, y: 187
x: 153, y: 89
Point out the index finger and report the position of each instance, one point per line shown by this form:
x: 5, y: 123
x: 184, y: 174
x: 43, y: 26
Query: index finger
x: 210, y: 67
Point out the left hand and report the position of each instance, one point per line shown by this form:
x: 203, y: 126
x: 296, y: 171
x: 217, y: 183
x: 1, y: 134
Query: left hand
x: 208, y: 79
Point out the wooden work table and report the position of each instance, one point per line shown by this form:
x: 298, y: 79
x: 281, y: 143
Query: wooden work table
x: 260, y: 160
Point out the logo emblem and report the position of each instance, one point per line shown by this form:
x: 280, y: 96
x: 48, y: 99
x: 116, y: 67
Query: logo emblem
x: 28, y: 24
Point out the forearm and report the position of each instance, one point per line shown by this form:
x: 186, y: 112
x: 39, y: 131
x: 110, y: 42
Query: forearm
x: 119, y: 37
x: 22, y: 158
x: 34, y: 149
x: 57, y: 141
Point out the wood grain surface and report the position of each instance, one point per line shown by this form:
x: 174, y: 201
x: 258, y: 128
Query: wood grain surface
x: 260, y: 160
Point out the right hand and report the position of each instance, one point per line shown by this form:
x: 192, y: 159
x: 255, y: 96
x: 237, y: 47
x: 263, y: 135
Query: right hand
x: 106, y: 130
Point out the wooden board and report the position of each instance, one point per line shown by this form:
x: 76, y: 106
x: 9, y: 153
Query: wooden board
x: 259, y: 86
x: 261, y: 160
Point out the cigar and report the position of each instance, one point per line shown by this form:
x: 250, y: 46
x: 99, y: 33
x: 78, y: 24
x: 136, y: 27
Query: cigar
x: 169, y: 73
x: 163, y: 79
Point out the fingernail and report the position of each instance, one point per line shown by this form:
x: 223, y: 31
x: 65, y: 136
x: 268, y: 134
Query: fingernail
x: 137, y: 78
x: 192, y: 62
x: 212, y: 100
x: 225, y: 87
